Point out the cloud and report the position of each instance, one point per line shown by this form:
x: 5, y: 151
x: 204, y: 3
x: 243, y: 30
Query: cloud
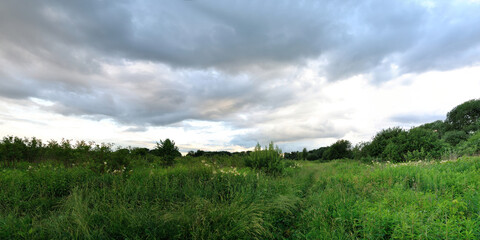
x: 136, y: 129
x: 416, y: 118
x: 354, y: 37
x: 245, y: 63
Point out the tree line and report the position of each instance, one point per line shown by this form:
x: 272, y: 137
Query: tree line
x: 457, y: 135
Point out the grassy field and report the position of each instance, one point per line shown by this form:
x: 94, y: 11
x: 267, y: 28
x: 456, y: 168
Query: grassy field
x: 212, y: 199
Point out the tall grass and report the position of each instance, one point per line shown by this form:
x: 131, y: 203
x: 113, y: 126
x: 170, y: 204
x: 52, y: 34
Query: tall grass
x: 220, y: 198
x: 433, y: 200
x: 189, y: 201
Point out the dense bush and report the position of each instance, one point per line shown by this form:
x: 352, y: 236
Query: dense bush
x: 439, y: 126
x: 379, y: 147
x: 397, y: 145
x: 267, y: 160
x: 454, y: 137
x: 420, y: 138
x: 99, y: 157
x: 471, y: 146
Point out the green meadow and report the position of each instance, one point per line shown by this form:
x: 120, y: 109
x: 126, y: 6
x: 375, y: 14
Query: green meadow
x: 222, y: 198
x: 418, y: 183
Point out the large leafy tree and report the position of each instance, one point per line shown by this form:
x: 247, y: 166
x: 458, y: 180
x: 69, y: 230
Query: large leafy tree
x: 465, y: 117
x: 167, y: 150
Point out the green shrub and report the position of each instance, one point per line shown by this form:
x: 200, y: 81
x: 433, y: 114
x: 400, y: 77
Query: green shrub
x: 455, y: 137
x: 267, y: 160
x: 471, y: 146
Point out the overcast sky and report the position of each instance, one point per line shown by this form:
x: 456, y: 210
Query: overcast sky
x: 224, y: 75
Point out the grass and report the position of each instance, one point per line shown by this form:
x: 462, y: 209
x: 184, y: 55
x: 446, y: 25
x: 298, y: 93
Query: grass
x: 342, y: 199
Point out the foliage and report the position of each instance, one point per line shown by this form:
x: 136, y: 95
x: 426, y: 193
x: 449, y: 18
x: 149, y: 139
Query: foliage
x: 465, y: 116
x: 167, y: 150
x: 438, y: 126
x: 471, y: 146
x: 192, y: 200
x: 338, y: 150
x: 267, y: 160
x: 293, y: 155
x: 201, y: 198
x: 393, y: 136
x: 426, y: 140
x: 398, y: 145
x: 359, y: 151
x: 304, y: 154
x: 455, y: 137
x: 316, y: 154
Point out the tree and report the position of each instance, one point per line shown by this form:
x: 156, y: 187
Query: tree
x: 304, y: 154
x: 424, y: 140
x: 316, y: 154
x: 393, y: 136
x: 167, y: 151
x: 338, y: 150
x: 465, y: 116
x: 438, y: 126
x: 359, y: 152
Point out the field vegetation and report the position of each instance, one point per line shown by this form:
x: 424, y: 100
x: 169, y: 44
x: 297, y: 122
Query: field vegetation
x: 421, y: 183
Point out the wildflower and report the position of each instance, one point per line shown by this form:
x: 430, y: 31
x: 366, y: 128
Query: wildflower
x: 105, y: 163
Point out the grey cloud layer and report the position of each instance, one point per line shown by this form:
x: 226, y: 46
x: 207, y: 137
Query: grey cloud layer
x: 235, y: 35
x: 218, y: 60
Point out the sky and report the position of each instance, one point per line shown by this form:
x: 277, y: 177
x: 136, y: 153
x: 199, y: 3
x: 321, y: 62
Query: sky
x: 224, y: 75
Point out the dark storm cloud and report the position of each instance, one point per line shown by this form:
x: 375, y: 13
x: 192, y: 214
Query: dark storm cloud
x: 354, y: 37
x: 214, y: 60
x: 235, y: 35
